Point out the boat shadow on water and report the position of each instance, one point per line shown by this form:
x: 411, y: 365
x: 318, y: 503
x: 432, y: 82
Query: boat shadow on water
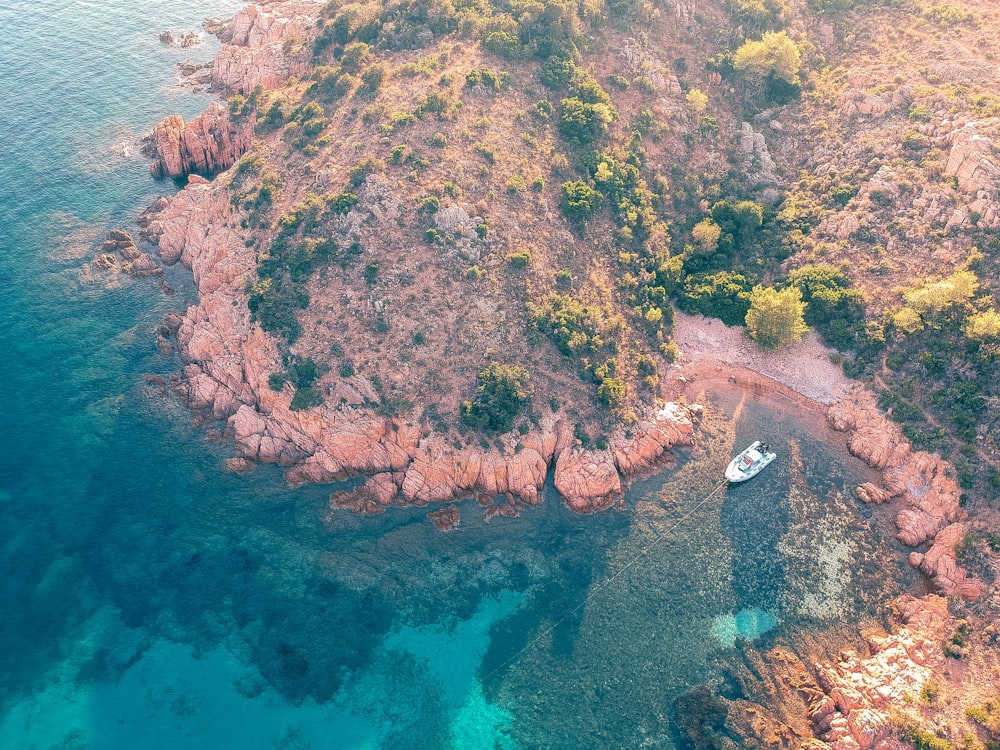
x: 754, y: 516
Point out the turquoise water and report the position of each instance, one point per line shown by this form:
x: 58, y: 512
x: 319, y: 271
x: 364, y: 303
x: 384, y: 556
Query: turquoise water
x: 150, y: 599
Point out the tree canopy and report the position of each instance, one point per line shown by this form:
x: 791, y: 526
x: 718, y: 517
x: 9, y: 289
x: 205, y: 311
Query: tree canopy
x: 983, y: 326
x: 932, y: 302
x: 773, y: 54
x: 776, y: 318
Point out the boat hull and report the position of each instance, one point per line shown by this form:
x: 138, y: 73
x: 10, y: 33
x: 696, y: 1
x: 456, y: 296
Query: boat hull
x: 749, y: 463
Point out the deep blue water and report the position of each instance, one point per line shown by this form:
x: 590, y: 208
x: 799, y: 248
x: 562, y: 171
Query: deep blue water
x: 150, y: 599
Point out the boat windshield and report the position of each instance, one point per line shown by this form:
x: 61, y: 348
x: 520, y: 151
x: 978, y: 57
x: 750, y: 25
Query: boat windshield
x: 746, y: 462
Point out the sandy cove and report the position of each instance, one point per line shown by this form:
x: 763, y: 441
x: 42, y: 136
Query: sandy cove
x: 845, y: 703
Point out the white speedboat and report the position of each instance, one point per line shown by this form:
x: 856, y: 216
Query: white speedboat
x: 749, y: 463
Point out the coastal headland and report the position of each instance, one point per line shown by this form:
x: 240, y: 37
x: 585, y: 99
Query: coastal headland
x: 394, y: 330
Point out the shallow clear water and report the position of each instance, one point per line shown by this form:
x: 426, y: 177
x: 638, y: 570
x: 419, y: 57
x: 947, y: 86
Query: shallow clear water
x: 152, y: 600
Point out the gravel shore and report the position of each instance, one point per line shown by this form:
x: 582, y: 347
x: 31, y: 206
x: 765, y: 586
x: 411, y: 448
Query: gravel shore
x: 805, y: 368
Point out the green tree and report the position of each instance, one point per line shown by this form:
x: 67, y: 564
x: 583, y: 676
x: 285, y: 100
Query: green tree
x: 776, y: 318
x: 706, y: 235
x: 983, y: 326
x: 774, y: 54
x: 582, y: 122
x: 579, y: 200
x: 936, y: 297
x: 501, y: 394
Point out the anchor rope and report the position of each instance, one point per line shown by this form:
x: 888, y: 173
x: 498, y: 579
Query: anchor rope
x: 601, y: 587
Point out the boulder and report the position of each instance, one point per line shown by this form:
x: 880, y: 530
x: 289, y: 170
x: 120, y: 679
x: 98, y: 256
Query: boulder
x: 447, y: 518
x: 872, y: 494
x: 941, y: 564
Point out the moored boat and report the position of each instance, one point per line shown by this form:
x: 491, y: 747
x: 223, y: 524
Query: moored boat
x: 750, y: 462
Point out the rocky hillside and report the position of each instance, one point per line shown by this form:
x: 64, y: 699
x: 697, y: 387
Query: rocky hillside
x: 538, y: 187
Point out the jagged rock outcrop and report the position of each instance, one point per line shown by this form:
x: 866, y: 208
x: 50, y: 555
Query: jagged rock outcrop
x: 971, y: 160
x: 593, y: 480
x: 257, y: 45
x: 862, y: 691
x: 206, y: 145
x: 973, y: 164
x: 446, y: 519
x: 755, y: 159
x: 857, y: 103
x: 118, y: 254
x: 181, y: 39
x: 872, y: 494
x: 942, y: 566
x: 921, y: 480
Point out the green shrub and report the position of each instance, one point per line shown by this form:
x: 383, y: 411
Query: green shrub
x: 504, y: 44
x: 521, y: 259
x: 833, y: 307
x: 516, y: 183
x: 440, y: 104
x: 947, y: 14
x: 372, y: 77
x: 399, y: 154
x: 619, y: 82
x: 502, y: 393
x: 724, y: 295
x: 579, y: 201
x: 360, y: 171
x: 842, y: 194
x: 342, y: 203
x: 584, y: 123
x: 306, y: 398
x: 612, y: 392
x: 398, y: 120
x: 575, y: 327
x: 914, y: 140
x: 274, y: 118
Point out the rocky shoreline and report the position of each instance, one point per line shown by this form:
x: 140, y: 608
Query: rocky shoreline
x: 227, y: 360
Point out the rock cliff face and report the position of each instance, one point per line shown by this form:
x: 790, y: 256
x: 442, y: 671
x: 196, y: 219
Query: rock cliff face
x: 259, y: 45
x: 206, y: 145
x: 228, y: 359
x: 973, y: 164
